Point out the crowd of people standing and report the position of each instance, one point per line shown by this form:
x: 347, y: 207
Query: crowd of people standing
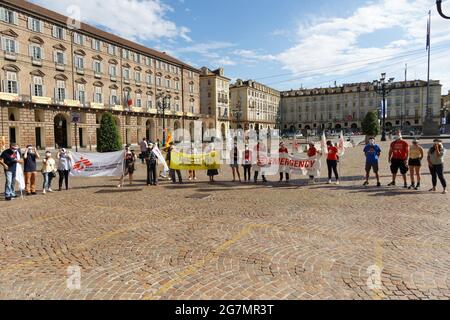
x: 402, y: 158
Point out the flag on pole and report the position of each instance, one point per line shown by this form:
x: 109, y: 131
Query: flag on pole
x: 341, y: 144
x: 323, y: 144
x: 429, y: 30
x: 169, y: 138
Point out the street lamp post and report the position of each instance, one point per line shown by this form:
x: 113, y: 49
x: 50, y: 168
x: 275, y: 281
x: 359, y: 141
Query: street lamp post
x: 163, y: 105
x: 237, y: 114
x: 383, y: 88
x: 439, y: 9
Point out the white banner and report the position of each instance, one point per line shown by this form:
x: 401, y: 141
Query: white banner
x: 97, y: 164
x: 158, y: 154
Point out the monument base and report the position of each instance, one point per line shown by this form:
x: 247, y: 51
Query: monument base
x: 430, y: 128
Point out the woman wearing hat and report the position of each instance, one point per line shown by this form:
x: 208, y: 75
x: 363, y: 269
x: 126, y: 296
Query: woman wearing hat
x: 436, y: 163
x: 415, y: 163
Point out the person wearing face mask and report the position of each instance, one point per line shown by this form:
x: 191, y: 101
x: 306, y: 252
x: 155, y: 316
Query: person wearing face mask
x: 30, y: 169
x: 48, y: 172
x: 372, y: 152
x: 152, y: 164
x: 64, y: 164
x: 9, y: 159
x: 247, y: 163
x: 234, y: 158
x: 398, y: 158
x: 129, y: 168
x: 415, y: 163
x: 436, y: 164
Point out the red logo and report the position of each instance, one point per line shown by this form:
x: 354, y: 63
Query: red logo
x: 82, y: 164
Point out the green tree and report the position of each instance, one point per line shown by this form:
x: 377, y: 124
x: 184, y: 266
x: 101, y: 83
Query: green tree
x: 108, y: 139
x: 371, y: 125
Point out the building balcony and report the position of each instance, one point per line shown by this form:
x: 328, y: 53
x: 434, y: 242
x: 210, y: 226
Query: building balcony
x: 149, y: 86
x: 138, y: 83
x: 36, y: 62
x: 79, y: 71
x: 96, y: 105
x: 60, y: 66
x: 9, y: 96
x: 112, y: 78
x: 97, y: 75
x: 11, y: 56
x: 126, y: 81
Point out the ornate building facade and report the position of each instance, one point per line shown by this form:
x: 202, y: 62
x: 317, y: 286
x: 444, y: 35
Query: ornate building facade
x: 52, y: 72
x: 344, y: 108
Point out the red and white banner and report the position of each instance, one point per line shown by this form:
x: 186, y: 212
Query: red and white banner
x: 97, y: 164
x: 289, y: 164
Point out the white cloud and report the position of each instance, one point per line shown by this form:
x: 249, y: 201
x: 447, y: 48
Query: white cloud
x: 136, y: 20
x: 334, y: 41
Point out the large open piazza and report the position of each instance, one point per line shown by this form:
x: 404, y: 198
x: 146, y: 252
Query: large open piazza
x: 228, y: 240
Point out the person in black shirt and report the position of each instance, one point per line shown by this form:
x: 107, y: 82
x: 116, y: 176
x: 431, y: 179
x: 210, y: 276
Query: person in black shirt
x: 30, y: 169
x: 9, y: 160
x: 152, y: 164
x: 172, y: 171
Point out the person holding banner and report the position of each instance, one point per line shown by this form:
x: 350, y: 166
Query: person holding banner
x: 234, y: 158
x: 152, y: 164
x: 261, y: 153
x: 9, y: 159
x: 313, y: 154
x: 284, y: 170
x: 128, y: 166
x: 332, y: 161
x: 172, y: 172
x: 30, y: 168
x: 247, y: 163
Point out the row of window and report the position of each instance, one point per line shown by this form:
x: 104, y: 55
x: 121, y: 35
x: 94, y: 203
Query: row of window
x: 36, y: 25
x: 11, y: 85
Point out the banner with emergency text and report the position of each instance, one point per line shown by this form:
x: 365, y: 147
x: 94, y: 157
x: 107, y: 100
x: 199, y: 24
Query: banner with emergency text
x: 184, y: 161
x: 294, y: 164
x: 109, y: 164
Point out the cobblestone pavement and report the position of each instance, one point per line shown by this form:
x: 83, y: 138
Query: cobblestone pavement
x: 228, y: 241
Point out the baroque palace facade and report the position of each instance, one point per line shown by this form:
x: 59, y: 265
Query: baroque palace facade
x: 344, y: 108
x: 51, y: 72
x: 255, y: 106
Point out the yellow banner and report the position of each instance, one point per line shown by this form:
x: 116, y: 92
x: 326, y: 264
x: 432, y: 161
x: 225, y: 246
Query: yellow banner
x: 183, y: 161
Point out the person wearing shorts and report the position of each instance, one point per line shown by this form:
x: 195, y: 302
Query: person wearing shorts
x: 234, y: 164
x: 416, y: 155
x: 398, y: 157
x: 372, y: 152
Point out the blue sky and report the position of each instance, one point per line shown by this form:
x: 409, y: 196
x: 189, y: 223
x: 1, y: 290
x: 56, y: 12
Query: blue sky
x: 285, y: 43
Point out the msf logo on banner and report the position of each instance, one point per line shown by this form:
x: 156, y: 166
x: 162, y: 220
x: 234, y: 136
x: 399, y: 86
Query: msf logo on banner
x: 82, y: 164
x: 73, y: 281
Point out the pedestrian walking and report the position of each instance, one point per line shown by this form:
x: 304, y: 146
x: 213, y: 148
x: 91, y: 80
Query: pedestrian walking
x: 398, y: 158
x: 48, y: 172
x: 152, y: 165
x: 436, y: 163
x: 372, y: 151
x: 332, y: 162
x: 247, y: 163
x: 284, y: 171
x: 65, y: 162
x: 234, y: 158
x: 128, y: 166
x: 9, y: 160
x: 30, y: 169
x: 416, y: 155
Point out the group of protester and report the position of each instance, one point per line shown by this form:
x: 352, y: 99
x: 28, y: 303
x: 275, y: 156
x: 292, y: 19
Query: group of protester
x: 402, y: 158
x: 11, y: 158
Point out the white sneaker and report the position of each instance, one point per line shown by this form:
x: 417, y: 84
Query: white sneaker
x: 337, y: 182
x: 329, y: 182
x: 44, y: 192
x: 50, y: 190
x: 445, y: 191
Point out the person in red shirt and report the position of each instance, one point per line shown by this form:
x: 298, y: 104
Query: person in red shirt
x: 283, y: 151
x: 332, y: 161
x: 312, y: 153
x: 261, y: 154
x: 398, y: 158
